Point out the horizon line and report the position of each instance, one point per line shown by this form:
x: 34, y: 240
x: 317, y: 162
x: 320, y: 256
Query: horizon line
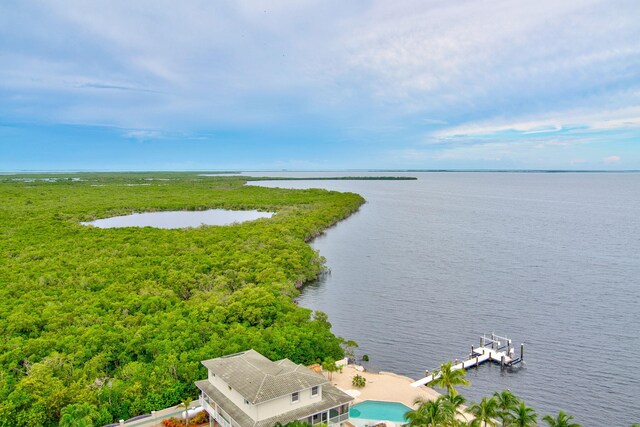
x: 239, y: 172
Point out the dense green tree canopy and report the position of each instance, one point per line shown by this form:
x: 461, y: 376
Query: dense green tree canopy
x: 119, y: 319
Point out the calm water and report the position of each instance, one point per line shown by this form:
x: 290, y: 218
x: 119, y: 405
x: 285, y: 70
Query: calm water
x: 179, y: 219
x: 553, y: 260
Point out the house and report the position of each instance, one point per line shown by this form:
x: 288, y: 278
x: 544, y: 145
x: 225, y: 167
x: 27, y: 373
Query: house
x: 248, y: 390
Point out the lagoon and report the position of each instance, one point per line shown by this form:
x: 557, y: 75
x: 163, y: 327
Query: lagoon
x: 180, y: 219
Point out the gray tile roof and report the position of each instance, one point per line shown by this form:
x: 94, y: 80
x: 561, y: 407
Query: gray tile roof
x: 238, y: 415
x: 258, y: 379
x: 331, y: 397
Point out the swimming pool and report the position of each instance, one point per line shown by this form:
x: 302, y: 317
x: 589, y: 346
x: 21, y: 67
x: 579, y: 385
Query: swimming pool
x: 377, y: 410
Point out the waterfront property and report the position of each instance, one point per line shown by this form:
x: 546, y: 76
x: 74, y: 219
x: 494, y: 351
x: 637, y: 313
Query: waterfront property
x: 248, y: 390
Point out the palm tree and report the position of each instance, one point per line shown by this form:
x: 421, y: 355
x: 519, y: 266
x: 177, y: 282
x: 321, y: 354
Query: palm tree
x: 524, y: 416
x: 78, y: 415
x: 455, y: 402
x: 448, y: 378
x: 484, y: 412
x: 562, y: 420
x: 430, y: 413
x: 330, y: 366
x: 185, y: 405
x: 507, y: 403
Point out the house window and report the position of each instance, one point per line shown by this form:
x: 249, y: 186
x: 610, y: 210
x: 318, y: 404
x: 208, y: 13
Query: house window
x: 320, y: 417
x: 314, y: 391
x: 295, y: 397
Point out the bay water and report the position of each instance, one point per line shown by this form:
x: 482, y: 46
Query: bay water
x: 549, y: 259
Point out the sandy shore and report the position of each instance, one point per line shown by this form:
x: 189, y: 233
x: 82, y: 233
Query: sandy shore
x: 383, y: 386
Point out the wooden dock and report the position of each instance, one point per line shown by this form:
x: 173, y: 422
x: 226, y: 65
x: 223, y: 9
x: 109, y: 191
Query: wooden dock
x: 493, y: 348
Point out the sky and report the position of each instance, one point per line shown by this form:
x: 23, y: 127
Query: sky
x: 319, y: 85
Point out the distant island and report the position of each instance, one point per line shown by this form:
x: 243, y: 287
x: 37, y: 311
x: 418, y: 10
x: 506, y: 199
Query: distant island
x: 337, y: 178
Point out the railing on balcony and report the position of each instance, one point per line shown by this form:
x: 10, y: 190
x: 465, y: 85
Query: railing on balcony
x: 339, y: 419
x: 221, y: 418
x: 209, y: 408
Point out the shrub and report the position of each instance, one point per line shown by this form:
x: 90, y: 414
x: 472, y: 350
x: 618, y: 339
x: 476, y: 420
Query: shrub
x: 359, y: 381
x: 200, y: 418
x: 173, y: 422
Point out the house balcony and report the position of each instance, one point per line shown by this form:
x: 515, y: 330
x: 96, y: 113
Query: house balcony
x: 339, y: 419
x: 208, y: 407
x: 220, y: 416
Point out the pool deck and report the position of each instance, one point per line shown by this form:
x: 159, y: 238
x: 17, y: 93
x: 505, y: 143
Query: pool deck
x: 382, y: 386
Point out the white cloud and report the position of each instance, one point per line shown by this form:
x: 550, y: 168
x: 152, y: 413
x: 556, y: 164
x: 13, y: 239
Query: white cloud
x: 400, y: 69
x: 142, y: 134
x: 623, y: 118
x: 611, y: 160
x: 461, y: 53
x: 541, y: 153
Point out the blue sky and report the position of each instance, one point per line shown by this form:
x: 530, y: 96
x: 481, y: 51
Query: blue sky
x: 250, y: 84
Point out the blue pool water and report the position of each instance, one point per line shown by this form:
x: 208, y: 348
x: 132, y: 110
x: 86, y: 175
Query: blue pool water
x: 379, y: 411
